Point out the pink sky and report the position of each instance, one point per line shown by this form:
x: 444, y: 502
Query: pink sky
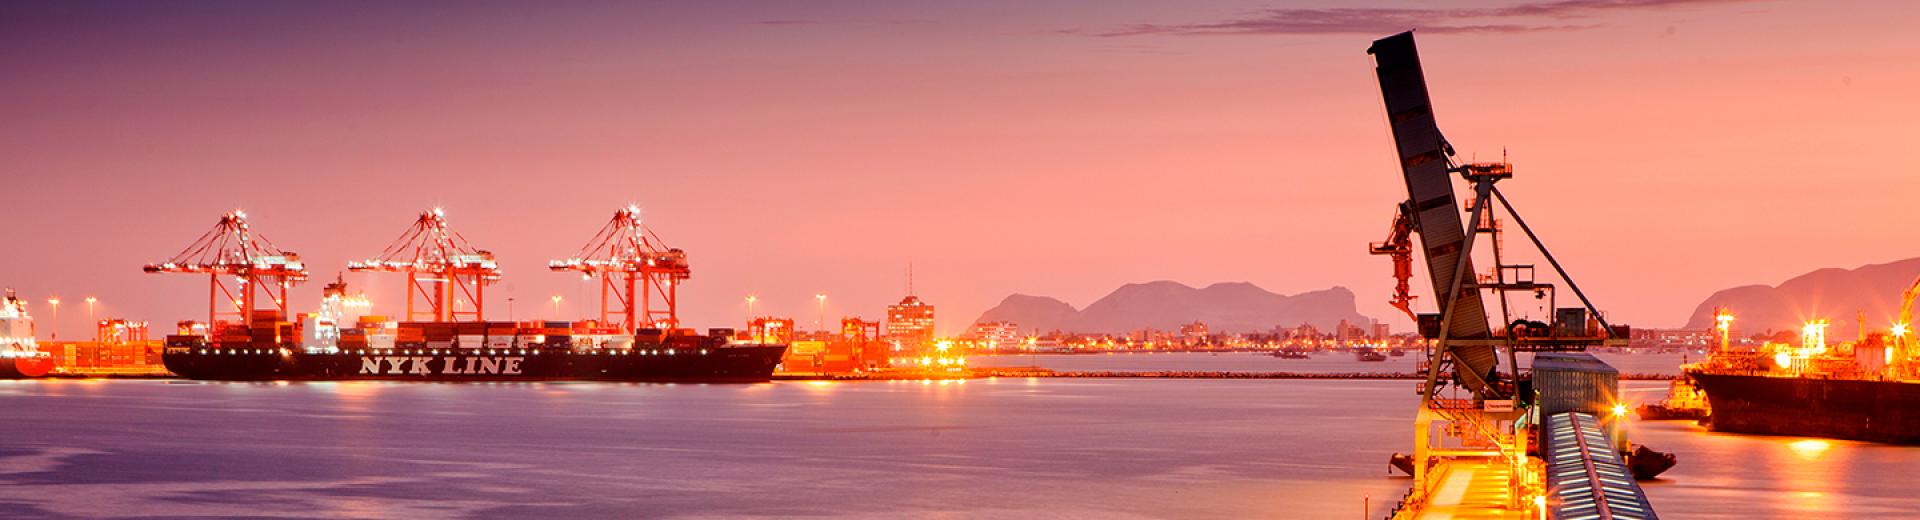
x: 1666, y: 148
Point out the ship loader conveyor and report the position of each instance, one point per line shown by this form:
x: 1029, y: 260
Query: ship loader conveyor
x: 1586, y: 477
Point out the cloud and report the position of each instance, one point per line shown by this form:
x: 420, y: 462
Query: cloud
x: 1560, y: 15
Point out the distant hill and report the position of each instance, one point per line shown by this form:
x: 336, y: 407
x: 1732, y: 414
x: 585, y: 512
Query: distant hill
x: 1835, y: 294
x: 1165, y: 305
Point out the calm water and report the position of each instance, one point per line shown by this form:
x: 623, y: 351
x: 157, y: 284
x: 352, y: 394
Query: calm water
x: 1005, y: 448
x: 1667, y: 364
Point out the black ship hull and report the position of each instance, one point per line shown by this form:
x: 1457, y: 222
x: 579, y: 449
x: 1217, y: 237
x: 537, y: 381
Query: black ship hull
x: 719, y: 364
x: 1874, y: 411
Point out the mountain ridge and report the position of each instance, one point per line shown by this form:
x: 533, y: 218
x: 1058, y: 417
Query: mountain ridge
x: 1166, y: 305
x: 1833, y: 293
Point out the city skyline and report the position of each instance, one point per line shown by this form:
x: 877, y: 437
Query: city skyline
x: 802, y: 149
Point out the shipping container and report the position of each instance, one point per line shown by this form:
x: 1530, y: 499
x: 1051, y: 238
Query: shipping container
x: 1575, y: 382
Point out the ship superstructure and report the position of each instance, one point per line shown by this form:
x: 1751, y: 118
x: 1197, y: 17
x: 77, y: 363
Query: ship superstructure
x: 20, y: 354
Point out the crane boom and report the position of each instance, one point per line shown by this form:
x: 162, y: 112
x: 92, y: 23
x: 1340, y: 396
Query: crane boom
x: 1423, y: 155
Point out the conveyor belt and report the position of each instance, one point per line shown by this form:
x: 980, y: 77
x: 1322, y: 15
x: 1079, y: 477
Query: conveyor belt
x: 1586, y: 477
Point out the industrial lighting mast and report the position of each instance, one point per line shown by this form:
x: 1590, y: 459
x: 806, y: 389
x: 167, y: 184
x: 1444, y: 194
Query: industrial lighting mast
x: 633, y: 265
x: 232, y: 252
x: 442, y: 269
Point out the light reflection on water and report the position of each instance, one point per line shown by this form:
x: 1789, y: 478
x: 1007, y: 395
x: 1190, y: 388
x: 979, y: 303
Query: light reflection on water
x: 1734, y: 476
x: 967, y: 449
x: 1325, y: 362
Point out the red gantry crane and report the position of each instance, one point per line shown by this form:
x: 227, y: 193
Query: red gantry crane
x: 232, y: 252
x: 632, y: 265
x: 442, y: 269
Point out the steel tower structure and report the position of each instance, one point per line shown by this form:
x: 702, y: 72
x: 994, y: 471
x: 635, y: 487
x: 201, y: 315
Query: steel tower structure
x: 442, y: 269
x: 633, y: 266
x: 255, y: 266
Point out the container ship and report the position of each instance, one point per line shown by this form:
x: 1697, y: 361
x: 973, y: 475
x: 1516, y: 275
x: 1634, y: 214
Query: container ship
x: 1866, y: 390
x: 20, y: 355
x: 499, y: 351
x: 444, y: 336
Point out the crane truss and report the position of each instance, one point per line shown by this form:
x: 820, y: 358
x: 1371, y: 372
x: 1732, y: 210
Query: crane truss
x: 634, y: 267
x: 232, y: 252
x: 443, y: 270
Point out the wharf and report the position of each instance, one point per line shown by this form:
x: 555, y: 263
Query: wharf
x: 1468, y: 489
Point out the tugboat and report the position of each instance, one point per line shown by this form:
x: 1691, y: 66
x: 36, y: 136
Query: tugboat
x: 1684, y: 402
x: 20, y: 355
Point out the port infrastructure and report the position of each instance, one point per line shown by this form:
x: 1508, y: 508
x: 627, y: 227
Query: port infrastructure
x: 232, y: 252
x: 636, y: 271
x: 443, y: 270
x: 1471, y: 434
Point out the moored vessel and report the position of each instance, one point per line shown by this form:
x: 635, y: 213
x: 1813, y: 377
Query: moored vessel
x: 444, y: 335
x: 20, y: 355
x: 1865, y: 390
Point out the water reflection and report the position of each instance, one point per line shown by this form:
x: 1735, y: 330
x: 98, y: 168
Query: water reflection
x: 922, y: 448
x: 1810, y: 449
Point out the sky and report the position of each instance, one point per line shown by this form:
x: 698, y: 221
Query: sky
x: 1664, y: 149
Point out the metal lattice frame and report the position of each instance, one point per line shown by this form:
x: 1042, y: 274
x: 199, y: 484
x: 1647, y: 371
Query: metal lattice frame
x: 634, y: 266
x: 256, y: 266
x: 442, y: 270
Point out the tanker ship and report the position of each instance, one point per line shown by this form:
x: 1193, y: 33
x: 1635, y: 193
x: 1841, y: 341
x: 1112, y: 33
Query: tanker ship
x: 444, y: 336
x: 1867, y: 390
x: 20, y: 355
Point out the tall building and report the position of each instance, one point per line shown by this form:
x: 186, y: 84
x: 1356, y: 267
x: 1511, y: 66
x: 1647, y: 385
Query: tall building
x: 996, y: 335
x: 910, y: 323
x: 1194, y: 333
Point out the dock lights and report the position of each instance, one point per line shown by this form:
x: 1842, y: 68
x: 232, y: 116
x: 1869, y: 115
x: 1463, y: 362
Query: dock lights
x: 820, y: 322
x: 55, y: 303
x: 90, y: 302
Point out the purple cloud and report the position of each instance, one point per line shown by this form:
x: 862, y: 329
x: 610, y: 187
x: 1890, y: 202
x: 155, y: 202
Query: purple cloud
x: 1526, y: 17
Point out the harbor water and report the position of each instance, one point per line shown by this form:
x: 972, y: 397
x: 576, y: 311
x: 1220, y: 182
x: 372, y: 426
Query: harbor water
x: 1667, y: 364
x: 987, y: 448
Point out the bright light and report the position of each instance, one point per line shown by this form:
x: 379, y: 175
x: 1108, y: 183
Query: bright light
x: 1900, y: 330
x: 1782, y: 359
x: 1619, y: 410
x: 1814, y: 336
x: 1809, y: 448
